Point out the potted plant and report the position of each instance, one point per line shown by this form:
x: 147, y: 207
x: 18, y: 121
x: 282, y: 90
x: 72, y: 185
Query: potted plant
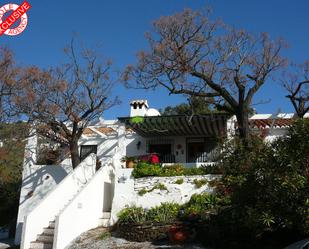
x: 178, y: 234
x: 130, y: 161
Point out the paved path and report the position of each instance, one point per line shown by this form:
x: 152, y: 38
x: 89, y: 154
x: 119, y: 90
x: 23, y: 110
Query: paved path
x: 93, y: 240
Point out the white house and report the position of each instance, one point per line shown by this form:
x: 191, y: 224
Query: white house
x: 58, y: 203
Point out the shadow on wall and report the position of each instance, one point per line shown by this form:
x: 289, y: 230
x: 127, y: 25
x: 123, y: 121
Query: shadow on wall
x: 106, y: 148
x: 43, y: 178
x: 136, y: 147
x: 37, y: 183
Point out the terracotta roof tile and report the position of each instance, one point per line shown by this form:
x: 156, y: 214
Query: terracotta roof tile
x: 88, y: 132
x: 266, y: 123
x: 104, y: 130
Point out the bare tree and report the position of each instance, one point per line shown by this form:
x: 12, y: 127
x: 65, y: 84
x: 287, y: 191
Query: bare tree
x: 8, y: 82
x: 67, y: 98
x: 191, y: 55
x: 296, y: 82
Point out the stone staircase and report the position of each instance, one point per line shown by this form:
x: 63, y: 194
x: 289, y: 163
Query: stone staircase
x: 45, y: 239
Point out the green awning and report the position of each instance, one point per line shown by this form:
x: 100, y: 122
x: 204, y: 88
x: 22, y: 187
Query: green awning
x: 178, y: 125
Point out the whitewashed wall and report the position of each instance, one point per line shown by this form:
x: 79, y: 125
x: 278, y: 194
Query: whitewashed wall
x: 106, y: 146
x: 131, y: 141
x: 126, y: 190
x: 85, y: 209
x: 46, y: 210
x: 273, y: 134
x: 37, y: 182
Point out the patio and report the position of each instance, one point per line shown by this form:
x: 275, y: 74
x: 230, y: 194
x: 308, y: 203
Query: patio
x: 191, y: 141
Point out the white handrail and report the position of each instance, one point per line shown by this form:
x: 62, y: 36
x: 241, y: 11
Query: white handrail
x: 53, y: 202
x: 87, y: 205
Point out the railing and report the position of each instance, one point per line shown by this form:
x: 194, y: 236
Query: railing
x: 168, y: 158
x: 53, y: 202
x: 204, y: 157
x: 87, y: 205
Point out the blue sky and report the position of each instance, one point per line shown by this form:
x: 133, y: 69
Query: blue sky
x: 119, y: 26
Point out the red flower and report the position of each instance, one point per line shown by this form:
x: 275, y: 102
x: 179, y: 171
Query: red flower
x: 154, y: 159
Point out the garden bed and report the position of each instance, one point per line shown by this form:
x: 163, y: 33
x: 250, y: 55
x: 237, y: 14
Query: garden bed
x: 143, y: 232
x: 145, y: 169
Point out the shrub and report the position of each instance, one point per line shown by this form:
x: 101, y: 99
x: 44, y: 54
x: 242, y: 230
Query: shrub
x: 132, y: 215
x: 143, y: 169
x: 144, y: 191
x: 268, y: 185
x: 199, y: 183
x: 174, y: 170
x: 179, y: 181
x: 165, y: 213
x: 204, y: 204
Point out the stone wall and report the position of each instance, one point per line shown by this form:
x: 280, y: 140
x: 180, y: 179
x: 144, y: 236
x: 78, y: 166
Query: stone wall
x: 146, y: 192
x: 149, y: 182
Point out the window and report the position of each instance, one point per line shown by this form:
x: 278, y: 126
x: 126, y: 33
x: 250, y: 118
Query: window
x: 86, y: 150
x: 164, y: 149
x: 161, y: 149
x: 200, y: 149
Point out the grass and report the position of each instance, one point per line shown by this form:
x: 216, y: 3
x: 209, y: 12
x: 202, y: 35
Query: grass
x: 104, y: 235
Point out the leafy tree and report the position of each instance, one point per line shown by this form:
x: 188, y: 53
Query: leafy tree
x: 195, y: 106
x: 11, y: 159
x: 192, y: 55
x: 64, y: 100
x: 268, y: 185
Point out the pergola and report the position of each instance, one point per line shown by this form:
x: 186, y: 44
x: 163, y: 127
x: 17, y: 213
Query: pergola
x: 179, y: 125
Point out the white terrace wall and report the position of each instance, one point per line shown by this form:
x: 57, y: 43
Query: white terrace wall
x: 37, y: 182
x: 86, y: 209
x: 55, y: 200
x: 127, y: 188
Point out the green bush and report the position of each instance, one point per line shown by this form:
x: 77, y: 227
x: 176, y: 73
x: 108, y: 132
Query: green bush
x: 144, y: 169
x: 204, y: 204
x: 174, y: 170
x: 268, y: 185
x: 144, y: 191
x: 200, y: 183
x: 132, y: 215
x: 165, y: 213
x: 179, y: 181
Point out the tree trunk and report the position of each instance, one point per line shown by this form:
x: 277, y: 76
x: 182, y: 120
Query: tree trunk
x: 242, y: 116
x: 74, y: 153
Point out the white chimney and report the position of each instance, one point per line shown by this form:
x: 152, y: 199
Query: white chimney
x: 138, y: 108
